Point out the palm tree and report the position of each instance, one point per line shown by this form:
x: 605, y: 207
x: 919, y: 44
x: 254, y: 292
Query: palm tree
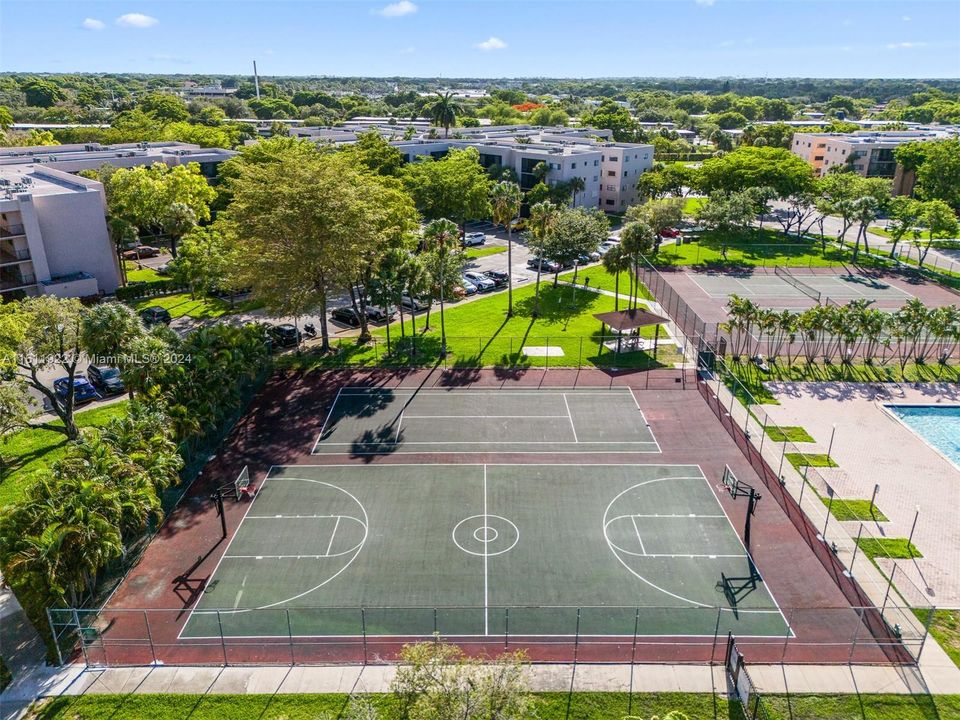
x: 617, y: 261
x: 122, y: 233
x: 577, y: 185
x: 442, y: 235
x: 417, y: 282
x: 543, y: 217
x: 540, y: 171
x: 443, y: 111
x: 637, y: 239
x: 506, y: 199
x: 177, y: 221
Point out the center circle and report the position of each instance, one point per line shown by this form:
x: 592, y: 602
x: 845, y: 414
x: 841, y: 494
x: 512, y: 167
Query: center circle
x: 486, y: 534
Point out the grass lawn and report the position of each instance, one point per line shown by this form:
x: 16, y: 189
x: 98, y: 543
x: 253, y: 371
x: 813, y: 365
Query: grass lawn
x: 480, y: 334
x: 479, y: 252
x: 884, y: 233
x: 755, y: 248
x: 895, y: 548
x: 799, y: 460
x: 33, y: 449
x: 789, y: 433
x: 752, y: 379
x: 551, y: 706
x: 201, y: 308
x: 142, y: 275
x: 692, y: 204
x: 945, y: 627
x: 600, y: 278
x: 854, y: 510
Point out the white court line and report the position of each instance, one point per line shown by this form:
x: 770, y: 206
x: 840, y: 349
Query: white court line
x: 570, y: 417
x: 499, y: 442
x: 637, y: 531
x: 480, y: 417
x: 486, y: 561
x: 333, y: 535
x: 323, y: 428
x: 685, y: 516
x: 300, y: 517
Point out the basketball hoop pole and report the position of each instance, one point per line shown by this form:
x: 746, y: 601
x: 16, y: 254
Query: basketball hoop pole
x: 218, y: 499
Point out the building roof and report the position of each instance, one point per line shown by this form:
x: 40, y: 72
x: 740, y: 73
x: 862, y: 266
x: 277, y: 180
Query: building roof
x: 631, y: 319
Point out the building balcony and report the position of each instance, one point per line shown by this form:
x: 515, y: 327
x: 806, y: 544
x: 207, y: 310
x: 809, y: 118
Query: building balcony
x: 9, y: 231
x: 16, y: 282
x: 9, y: 256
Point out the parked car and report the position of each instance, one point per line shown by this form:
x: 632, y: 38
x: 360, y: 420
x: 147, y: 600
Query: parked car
x: 500, y: 279
x: 83, y: 391
x: 155, y: 315
x: 468, y: 287
x: 106, y: 379
x: 613, y: 239
x: 545, y: 265
x: 377, y: 314
x: 142, y: 251
x: 670, y: 232
x: 414, y: 304
x: 346, y: 315
x: 284, y: 335
x: 483, y: 283
x: 165, y: 269
x: 474, y: 238
x: 604, y: 249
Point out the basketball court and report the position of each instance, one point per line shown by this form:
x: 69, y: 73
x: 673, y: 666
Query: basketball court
x: 485, y: 549
x: 791, y: 284
x: 375, y: 421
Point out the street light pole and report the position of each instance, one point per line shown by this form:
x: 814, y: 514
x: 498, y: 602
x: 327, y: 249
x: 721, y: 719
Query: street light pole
x: 832, y: 433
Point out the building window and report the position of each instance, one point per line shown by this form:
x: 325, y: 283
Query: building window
x: 596, y: 178
x: 603, y: 157
x: 609, y: 202
x: 573, y: 166
x: 611, y: 188
x: 611, y: 173
x: 612, y: 158
x: 817, y: 158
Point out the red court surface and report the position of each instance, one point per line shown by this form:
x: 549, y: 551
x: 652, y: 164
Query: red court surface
x: 142, y: 620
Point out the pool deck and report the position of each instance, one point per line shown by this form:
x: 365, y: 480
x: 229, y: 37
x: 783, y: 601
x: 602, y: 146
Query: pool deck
x: 873, y: 447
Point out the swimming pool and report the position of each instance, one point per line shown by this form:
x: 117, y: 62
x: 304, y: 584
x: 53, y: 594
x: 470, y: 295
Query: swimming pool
x: 939, y: 425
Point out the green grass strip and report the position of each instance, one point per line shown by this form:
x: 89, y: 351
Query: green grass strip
x: 945, y: 628
x: 789, y: 433
x: 479, y: 252
x: 551, y: 706
x: 799, y: 460
x: 896, y: 548
x: 854, y: 510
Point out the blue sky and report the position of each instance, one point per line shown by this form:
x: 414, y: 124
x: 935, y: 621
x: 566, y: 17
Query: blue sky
x: 487, y: 38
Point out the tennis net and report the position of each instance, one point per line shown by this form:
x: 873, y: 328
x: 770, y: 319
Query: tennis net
x: 789, y: 277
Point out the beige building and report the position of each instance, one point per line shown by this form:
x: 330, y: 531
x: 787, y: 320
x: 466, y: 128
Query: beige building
x: 53, y: 235
x: 870, y: 154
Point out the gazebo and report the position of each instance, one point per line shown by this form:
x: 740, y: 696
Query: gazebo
x: 631, y: 319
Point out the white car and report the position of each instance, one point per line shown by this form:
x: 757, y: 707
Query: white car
x: 474, y: 238
x: 483, y: 283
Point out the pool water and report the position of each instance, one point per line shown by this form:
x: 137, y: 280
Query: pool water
x: 939, y: 425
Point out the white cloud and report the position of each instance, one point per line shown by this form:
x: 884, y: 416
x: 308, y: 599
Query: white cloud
x: 409, y: 50
x: 491, y: 43
x: 397, y: 9
x: 705, y: 3
x: 905, y: 45
x: 906, y: 18
x: 136, y: 20
x: 93, y: 24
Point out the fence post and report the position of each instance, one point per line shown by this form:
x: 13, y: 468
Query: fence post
x: 83, y: 641
x: 223, y: 642
x: 716, y: 634
x: 511, y: 351
x: 546, y: 358
x: 56, y: 637
x: 883, y: 608
x: 763, y: 433
x: 926, y: 630
x: 856, y: 632
x: 576, y: 641
x: 146, y: 625
x: 786, y: 638
x: 580, y: 355
x: 506, y: 628
x: 293, y: 660
x: 363, y: 632
x: 376, y: 352
x: 856, y: 547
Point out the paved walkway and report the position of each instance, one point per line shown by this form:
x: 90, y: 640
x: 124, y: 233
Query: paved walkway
x: 872, y: 448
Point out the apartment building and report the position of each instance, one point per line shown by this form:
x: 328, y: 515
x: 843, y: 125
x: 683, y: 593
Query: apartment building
x: 870, y: 154
x: 610, y: 170
x: 53, y: 235
x: 90, y: 156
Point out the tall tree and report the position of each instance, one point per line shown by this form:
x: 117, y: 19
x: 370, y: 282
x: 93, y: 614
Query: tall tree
x: 177, y: 220
x: 636, y: 240
x: 543, y: 218
x: 756, y: 166
x: 938, y: 218
x: 455, y: 187
x: 576, y: 232
x: 443, y: 111
x: 506, y: 199
x: 441, y: 237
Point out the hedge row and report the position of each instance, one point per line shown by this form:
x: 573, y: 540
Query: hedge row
x: 137, y: 290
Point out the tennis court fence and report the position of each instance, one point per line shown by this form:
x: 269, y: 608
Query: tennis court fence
x: 115, y: 637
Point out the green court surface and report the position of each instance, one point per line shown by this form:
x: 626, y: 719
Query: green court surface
x: 373, y: 421
x: 474, y: 550
x: 768, y: 285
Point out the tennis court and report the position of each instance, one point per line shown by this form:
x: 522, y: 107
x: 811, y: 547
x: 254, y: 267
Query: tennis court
x: 794, y: 284
x: 797, y: 285
x: 485, y: 549
x: 373, y: 421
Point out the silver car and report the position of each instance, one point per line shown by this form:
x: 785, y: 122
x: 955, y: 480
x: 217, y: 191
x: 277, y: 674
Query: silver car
x: 474, y: 238
x: 483, y: 283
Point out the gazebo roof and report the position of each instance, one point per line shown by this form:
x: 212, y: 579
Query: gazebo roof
x: 621, y: 320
